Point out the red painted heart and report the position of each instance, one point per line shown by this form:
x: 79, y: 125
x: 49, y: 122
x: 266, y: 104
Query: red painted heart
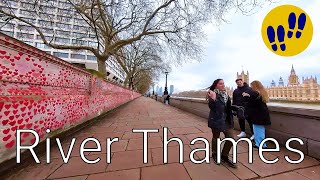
x: 6, y: 138
x: 1, y: 105
x: 28, y: 126
x: 5, y: 122
x: 10, y: 144
x: 7, y: 106
x: 12, y: 123
x: 6, y: 131
x: 14, y: 128
x: 23, y: 109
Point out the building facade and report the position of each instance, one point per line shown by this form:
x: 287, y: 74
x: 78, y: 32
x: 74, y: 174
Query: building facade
x: 243, y: 76
x: 306, y: 90
x: 171, y: 90
x: 59, y: 26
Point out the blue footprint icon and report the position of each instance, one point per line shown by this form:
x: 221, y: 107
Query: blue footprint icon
x: 292, y: 20
x: 281, y: 35
x: 301, y: 24
x: 272, y: 36
x: 292, y: 24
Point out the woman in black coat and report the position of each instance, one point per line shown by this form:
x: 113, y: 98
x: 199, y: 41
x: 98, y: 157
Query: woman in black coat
x: 220, y: 119
x: 257, y: 110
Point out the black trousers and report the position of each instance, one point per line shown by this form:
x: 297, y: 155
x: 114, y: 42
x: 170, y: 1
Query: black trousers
x: 242, y: 123
x: 227, y: 145
x: 242, y: 117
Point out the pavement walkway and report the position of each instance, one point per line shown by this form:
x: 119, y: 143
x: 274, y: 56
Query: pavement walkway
x: 127, y: 154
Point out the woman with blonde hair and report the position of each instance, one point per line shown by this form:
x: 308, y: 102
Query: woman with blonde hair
x: 258, y: 111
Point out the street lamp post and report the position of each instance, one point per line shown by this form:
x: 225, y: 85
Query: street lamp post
x: 153, y: 89
x: 166, y: 87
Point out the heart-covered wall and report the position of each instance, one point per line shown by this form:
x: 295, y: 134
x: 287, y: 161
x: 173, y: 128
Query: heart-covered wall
x: 39, y: 91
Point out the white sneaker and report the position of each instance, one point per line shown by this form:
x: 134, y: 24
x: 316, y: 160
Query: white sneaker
x: 242, y: 135
x: 252, y: 137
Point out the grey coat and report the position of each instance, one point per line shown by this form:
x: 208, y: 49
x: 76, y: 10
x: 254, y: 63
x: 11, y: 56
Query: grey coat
x: 220, y: 116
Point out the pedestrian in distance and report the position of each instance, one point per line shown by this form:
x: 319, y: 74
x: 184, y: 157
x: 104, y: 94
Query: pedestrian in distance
x: 220, y: 119
x: 258, y: 111
x: 240, y: 103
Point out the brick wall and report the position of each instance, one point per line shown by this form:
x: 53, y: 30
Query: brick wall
x: 39, y: 91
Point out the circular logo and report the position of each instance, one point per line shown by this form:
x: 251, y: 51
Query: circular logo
x: 287, y: 30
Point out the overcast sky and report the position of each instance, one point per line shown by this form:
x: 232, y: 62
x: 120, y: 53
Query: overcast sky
x: 239, y: 43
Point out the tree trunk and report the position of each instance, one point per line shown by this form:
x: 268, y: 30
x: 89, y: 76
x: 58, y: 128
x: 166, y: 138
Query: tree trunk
x: 102, y: 66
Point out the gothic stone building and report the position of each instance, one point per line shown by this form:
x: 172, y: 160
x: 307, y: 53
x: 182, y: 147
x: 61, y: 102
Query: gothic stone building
x: 308, y: 90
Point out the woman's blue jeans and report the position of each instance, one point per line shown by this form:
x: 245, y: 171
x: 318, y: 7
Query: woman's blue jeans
x: 259, y: 134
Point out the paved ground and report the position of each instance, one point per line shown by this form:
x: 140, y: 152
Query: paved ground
x: 127, y: 154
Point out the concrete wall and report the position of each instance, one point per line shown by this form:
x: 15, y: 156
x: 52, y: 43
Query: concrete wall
x: 39, y: 91
x: 286, y: 123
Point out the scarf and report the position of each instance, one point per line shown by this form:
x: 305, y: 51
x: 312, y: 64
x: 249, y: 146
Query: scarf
x: 223, y: 94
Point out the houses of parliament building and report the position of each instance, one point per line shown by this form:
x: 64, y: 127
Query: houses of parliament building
x: 306, y: 90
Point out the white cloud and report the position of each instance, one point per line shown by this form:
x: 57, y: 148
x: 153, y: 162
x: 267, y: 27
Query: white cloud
x: 240, y: 44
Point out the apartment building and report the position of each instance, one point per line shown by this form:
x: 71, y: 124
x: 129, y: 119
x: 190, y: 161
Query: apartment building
x: 60, y: 26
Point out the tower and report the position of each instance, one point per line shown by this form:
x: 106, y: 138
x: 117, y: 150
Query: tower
x: 273, y: 84
x: 293, y: 78
x: 281, y: 83
x: 243, y: 76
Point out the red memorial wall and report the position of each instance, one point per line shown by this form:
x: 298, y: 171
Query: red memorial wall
x: 39, y: 91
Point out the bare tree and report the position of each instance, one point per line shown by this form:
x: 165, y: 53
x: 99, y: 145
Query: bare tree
x: 143, y: 82
x: 175, y: 25
x: 140, y: 58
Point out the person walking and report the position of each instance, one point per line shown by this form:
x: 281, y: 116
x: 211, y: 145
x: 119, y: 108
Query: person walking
x: 220, y: 119
x: 239, y: 102
x: 258, y: 111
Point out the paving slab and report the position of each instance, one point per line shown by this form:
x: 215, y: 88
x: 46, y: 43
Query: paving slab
x: 312, y: 173
x: 77, y: 167
x: 208, y: 171
x: 127, y: 154
x: 167, y: 172
x: 132, y: 174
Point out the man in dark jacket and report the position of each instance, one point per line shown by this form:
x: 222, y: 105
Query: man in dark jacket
x: 240, y: 103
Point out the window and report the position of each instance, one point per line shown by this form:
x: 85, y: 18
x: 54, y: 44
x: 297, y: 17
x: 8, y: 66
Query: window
x: 78, y: 56
x: 9, y: 33
x: 26, y: 12
x: 9, y: 26
x: 79, y: 35
x: 62, y: 25
x: 62, y: 40
x: 48, y: 9
x: 81, y: 42
x: 80, y: 21
x: 27, y: 5
x: 65, y: 11
x: 91, y: 58
x: 63, y: 33
x: 80, y: 28
x: 45, y: 23
x: 93, y: 44
x: 46, y: 16
x: 48, y: 38
x: 63, y: 5
x: 61, y: 55
x: 47, y: 31
x: 30, y: 20
x: 28, y: 42
x: 64, y: 19
x: 25, y: 28
x: 42, y: 45
x: 24, y: 35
